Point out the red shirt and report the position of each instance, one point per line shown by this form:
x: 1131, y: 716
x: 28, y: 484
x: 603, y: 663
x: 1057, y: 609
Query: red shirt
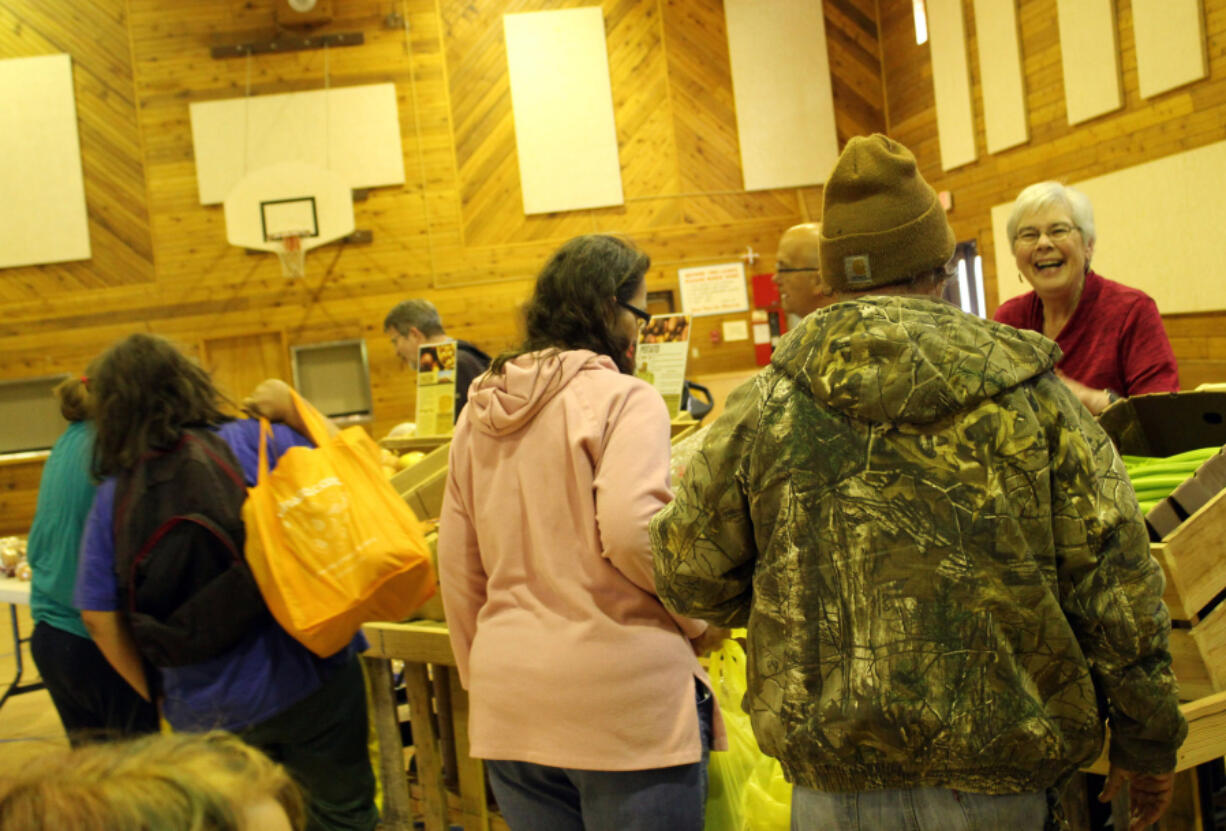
x: 1114, y: 340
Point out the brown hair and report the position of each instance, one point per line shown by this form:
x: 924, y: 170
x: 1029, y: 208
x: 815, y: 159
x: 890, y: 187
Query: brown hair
x: 145, y: 394
x: 574, y: 303
x: 74, y: 399
x: 184, y: 782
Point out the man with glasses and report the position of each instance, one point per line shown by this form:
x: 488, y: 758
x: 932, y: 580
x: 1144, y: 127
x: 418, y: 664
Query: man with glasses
x: 798, y: 272
x: 412, y: 324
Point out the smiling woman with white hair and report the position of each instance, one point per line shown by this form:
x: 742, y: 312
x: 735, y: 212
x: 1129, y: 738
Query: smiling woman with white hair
x: 1111, y: 335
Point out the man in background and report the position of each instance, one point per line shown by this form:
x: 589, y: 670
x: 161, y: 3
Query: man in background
x: 798, y: 272
x: 412, y: 324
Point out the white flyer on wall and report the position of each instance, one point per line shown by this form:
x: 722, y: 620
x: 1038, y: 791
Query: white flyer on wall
x: 661, y: 355
x: 713, y: 289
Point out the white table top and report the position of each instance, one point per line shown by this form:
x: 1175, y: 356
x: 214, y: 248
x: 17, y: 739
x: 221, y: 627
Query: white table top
x: 13, y: 590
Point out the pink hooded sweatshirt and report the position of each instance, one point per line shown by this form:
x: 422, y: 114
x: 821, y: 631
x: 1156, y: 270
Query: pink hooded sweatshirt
x: 557, y: 466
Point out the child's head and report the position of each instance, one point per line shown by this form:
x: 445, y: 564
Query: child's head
x: 180, y: 782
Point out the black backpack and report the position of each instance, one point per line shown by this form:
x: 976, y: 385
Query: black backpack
x: 183, y: 580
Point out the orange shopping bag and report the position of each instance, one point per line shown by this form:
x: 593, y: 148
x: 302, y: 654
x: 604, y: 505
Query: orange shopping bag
x: 330, y: 542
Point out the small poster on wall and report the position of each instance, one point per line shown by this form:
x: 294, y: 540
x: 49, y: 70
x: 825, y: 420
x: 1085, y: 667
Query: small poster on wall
x: 660, y: 360
x: 713, y: 289
x: 435, y: 389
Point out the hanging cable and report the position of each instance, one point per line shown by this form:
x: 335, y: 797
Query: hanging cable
x: 246, y: 111
x: 327, y: 108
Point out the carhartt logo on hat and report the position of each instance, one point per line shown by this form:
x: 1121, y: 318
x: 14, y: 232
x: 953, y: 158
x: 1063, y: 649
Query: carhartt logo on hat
x: 857, y: 270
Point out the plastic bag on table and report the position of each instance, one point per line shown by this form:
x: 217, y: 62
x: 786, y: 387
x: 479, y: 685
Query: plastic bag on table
x: 746, y: 788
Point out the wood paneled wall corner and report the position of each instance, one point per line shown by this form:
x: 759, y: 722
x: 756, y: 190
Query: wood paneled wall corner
x: 1145, y: 129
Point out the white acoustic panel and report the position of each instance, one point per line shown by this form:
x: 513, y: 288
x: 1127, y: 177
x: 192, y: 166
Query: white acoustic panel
x: 784, y: 100
x: 354, y: 131
x: 951, y: 83
x: 43, y: 217
x: 562, y: 100
x: 1170, y: 37
x: 1089, y: 55
x: 1139, y: 211
x: 1000, y: 64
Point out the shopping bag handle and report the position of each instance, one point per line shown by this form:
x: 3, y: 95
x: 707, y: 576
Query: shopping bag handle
x: 261, y: 471
x: 313, y: 420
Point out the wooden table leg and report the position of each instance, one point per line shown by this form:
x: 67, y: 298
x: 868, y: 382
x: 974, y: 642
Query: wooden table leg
x: 425, y: 740
x: 397, y: 809
x: 475, y: 810
x: 446, y: 731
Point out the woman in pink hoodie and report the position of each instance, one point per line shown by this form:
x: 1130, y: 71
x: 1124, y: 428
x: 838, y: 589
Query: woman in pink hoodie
x: 587, y: 700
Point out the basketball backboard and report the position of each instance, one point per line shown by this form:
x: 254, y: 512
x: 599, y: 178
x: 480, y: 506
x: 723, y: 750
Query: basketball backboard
x: 289, y: 199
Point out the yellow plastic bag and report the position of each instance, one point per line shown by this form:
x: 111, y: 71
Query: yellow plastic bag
x: 746, y: 788
x: 330, y: 542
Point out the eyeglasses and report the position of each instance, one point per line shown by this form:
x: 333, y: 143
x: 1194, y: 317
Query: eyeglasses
x: 641, y: 317
x: 1055, y: 233
x: 784, y: 269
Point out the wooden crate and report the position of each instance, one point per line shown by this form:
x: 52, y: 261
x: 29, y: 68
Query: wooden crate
x: 426, y: 444
x: 1191, y: 559
x: 422, y: 485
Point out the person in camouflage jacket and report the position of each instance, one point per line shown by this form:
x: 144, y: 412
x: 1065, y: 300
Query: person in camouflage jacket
x: 936, y: 550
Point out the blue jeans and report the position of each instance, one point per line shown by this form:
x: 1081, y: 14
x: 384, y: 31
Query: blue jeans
x: 917, y: 809
x: 535, y: 797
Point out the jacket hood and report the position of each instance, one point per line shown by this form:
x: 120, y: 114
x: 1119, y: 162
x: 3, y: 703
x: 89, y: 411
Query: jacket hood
x: 907, y: 359
x: 503, y: 402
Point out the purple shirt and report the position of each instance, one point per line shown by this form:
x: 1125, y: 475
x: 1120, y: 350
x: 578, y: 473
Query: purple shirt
x: 260, y: 677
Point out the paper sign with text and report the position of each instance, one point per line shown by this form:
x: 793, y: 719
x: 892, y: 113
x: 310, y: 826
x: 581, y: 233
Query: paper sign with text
x: 661, y: 355
x: 713, y: 289
x: 435, y: 389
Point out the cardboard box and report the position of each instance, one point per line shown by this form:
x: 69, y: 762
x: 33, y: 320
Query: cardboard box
x: 1166, y: 423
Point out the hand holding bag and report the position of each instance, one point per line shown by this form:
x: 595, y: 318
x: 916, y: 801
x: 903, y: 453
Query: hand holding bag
x: 330, y: 543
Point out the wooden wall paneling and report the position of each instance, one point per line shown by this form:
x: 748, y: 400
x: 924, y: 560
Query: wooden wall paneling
x: 852, y: 40
x: 1142, y: 130
x: 454, y: 232
x: 96, y: 37
x: 239, y: 362
x: 19, y: 482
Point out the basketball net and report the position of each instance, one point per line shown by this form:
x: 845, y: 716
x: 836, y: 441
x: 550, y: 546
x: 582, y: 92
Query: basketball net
x: 292, y: 255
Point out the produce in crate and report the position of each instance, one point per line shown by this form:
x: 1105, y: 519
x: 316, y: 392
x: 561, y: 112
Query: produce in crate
x: 1154, y: 478
x: 13, y: 558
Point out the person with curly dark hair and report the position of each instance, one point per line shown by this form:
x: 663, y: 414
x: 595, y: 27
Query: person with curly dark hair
x: 587, y: 700
x: 308, y: 712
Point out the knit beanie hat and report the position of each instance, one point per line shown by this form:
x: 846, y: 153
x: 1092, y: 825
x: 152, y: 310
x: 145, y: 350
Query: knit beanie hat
x: 881, y: 222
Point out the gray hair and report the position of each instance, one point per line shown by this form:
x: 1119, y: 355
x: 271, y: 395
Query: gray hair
x: 1044, y: 194
x: 417, y: 314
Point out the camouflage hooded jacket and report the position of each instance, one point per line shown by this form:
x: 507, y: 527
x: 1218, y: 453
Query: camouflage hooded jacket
x: 938, y: 555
